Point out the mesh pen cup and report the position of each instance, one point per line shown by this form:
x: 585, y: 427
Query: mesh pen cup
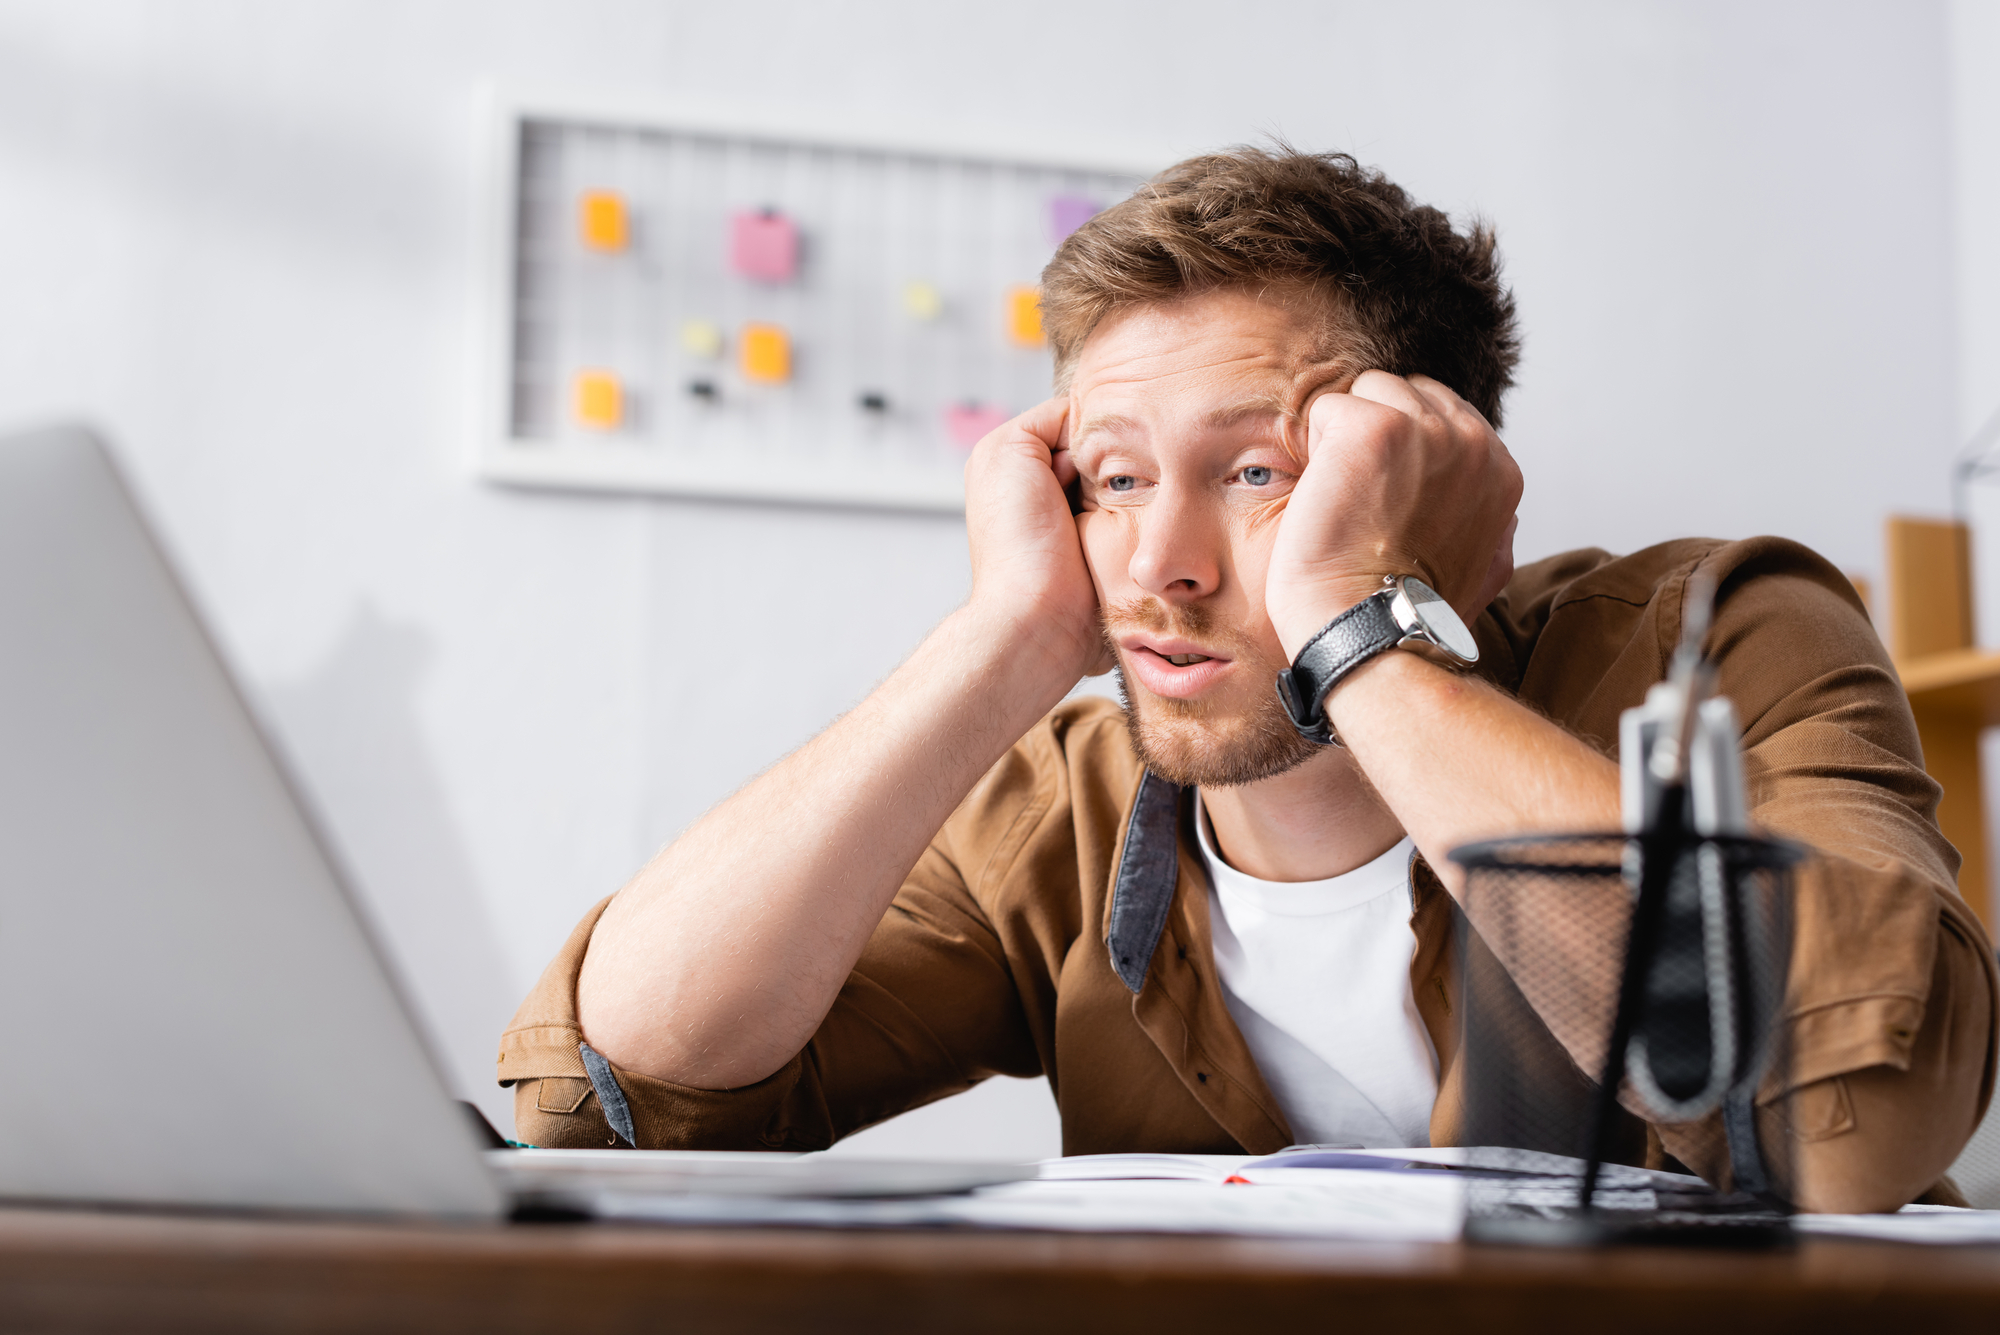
x: 1694, y: 1146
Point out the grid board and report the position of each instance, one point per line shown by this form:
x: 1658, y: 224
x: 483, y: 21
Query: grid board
x: 646, y: 265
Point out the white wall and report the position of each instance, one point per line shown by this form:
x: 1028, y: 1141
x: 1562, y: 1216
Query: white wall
x: 234, y: 235
x: 1975, y: 55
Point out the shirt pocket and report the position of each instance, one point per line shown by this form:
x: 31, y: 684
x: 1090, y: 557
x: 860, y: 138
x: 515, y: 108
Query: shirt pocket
x: 561, y: 1093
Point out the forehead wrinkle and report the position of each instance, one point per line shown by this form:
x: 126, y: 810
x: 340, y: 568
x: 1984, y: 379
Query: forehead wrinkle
x: 1256, y: 406
x: 1112, y: 423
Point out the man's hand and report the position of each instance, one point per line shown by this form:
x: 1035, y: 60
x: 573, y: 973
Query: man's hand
x: 1027, y: 562
x: 721, y: 958
x: 1403, y: 477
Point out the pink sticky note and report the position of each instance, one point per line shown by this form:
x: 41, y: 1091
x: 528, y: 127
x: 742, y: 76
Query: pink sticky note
x: 968, y: 423
x: 764, y: 246
x: 1067, y: 213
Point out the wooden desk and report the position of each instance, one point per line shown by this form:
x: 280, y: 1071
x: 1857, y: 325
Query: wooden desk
x: 75, y: 1270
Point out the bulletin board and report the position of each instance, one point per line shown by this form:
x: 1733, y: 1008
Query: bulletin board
x: 683, y: 306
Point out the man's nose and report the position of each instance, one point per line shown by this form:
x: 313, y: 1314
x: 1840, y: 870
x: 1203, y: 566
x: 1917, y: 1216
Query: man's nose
x: 1177, y: 557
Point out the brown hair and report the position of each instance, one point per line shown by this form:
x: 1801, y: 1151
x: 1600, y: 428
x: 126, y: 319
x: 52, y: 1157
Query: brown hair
x: 1410, y: 294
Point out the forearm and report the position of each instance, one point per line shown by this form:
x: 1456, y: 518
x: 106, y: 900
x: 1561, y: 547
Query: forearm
x: 1878, y: 1103
x: 1885, y: 1101
x: 1457, y: 760
x: 714, y: 966
x: 1878, y: 1136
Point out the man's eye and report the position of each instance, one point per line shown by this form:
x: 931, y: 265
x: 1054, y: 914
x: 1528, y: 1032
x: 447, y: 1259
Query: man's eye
x: 1257, y: 477
x: 1122, y: 483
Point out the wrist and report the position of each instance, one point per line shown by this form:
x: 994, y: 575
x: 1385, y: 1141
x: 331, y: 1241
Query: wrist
x: 1029, y: 644
x: 1383, y: 687
x: 1300, y: 617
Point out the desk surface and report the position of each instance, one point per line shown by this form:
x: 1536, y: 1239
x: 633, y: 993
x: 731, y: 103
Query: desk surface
x: 77, y: 1270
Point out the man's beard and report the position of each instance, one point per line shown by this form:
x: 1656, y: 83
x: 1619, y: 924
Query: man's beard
x: 1201, y: 743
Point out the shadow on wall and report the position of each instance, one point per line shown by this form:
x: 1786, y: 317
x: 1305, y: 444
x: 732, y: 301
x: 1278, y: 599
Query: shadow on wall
x: 351, y: 730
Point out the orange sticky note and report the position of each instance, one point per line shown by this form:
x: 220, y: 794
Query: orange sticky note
x: 766, y: 353
x: 1024, y: 316
x: 600, y: 402
x: 605, y: 225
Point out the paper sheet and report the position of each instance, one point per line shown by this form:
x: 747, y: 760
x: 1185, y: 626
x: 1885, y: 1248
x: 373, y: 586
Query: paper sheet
x: 1913, y: 1223
x: 1342, y: 1198
x: 1395, y: 1207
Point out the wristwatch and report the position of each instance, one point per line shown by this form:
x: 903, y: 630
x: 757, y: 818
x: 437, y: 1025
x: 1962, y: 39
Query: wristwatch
x: 1405, y: 613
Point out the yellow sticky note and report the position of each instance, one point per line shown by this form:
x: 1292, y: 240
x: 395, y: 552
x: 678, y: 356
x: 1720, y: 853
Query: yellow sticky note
x: 604, y: 222
x: 701, y: 338
x: 1024, y: 315
x: 922, y: 301
x: 600, y: 402
x: 767, y: 353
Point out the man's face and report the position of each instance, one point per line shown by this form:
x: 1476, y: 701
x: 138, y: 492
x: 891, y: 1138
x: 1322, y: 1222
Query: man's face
x: 1188, y: 431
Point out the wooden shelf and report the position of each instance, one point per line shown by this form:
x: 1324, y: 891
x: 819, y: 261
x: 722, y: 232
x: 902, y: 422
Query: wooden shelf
x: 1954, y: 689
x: 1960, y: 680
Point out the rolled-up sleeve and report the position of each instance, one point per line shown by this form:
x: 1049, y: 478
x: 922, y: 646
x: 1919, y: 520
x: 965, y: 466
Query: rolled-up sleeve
x: 1891, y: 1000
x: 930, y: 1009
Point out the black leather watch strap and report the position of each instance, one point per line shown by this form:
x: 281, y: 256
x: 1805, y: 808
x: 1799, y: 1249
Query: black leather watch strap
x: 1343, y: 644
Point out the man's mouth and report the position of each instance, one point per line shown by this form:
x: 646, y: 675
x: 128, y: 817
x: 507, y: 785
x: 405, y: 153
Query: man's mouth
x: 1175, y: 669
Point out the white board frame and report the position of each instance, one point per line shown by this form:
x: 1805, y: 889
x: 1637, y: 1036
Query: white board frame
x: 499, y: 456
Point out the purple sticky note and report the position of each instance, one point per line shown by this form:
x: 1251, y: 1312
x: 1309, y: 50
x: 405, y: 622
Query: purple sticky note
x: 764, y: 246
x: 1067, y: 213
x: 968, y: 423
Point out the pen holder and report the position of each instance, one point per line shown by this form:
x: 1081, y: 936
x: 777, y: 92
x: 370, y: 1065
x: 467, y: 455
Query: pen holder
x: 1564, y: 985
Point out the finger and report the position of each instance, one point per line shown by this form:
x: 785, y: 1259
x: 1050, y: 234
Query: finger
x: 1437, y: 397
x: 1447, y: 402
x: 1341, y: 413
x: 1036, y: 434
x: 1503, y: 469
x: 1464, y: 419
x: 1047, y: 424
x: 1065, y: 465
x: 1392, y: 391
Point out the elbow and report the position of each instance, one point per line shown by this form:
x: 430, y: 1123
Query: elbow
x: 618, y: 1019
x: 1886, y: 1146
x: 1877, y: 1138
x: 624, y: 1016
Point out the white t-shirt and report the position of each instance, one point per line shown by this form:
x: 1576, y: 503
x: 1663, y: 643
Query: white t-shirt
x: 1317, y: 976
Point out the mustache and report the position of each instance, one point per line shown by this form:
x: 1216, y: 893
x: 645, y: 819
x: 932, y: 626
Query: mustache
x: 1191, y: 621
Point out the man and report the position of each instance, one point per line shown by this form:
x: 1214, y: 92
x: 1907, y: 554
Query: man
x: 1211, y: 928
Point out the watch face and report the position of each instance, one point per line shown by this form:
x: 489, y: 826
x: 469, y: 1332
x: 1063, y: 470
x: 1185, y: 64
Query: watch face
x: 1439, y: 621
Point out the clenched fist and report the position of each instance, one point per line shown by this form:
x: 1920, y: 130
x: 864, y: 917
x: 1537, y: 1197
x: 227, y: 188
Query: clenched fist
x: 1402, y: 477
x: 1027, y: 563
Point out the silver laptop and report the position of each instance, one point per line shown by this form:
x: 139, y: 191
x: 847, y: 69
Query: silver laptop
x: 200, y: 1016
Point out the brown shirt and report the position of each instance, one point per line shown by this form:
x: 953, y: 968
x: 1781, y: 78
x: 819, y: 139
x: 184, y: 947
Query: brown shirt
x: 1058, y: 923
